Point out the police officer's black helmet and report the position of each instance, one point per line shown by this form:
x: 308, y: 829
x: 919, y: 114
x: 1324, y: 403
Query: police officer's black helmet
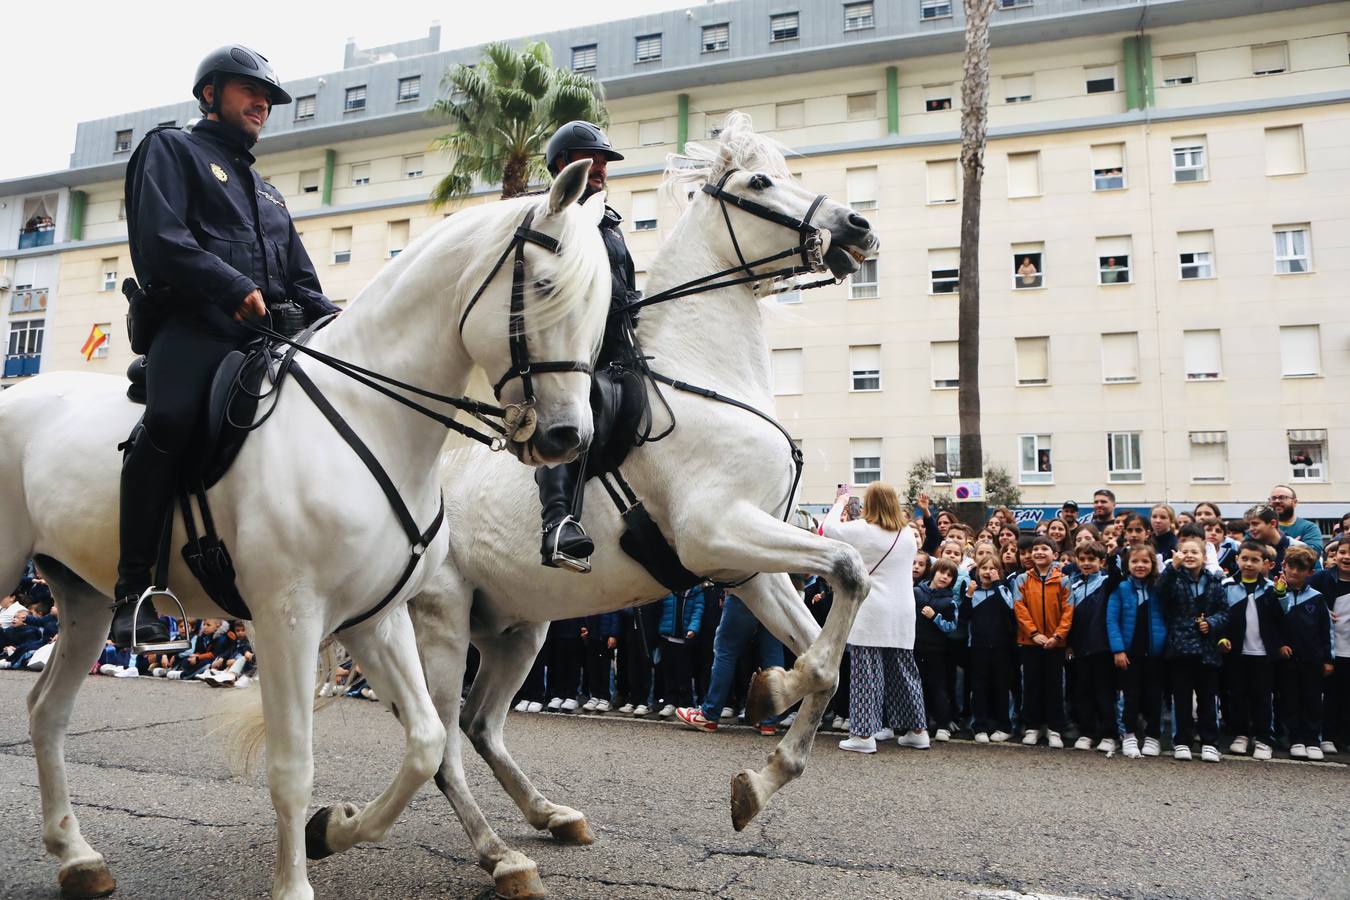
x: 236, y: 59
x: 577, y: 135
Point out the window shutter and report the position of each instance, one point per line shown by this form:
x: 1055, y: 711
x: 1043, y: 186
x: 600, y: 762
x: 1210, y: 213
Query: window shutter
x: 1120, y: 357
x: 1195, y: 241
x: 1202, y: 354
x: 644, y: 206
x: 1209, y: 455
x: 1284, y: 150
x: 398, y: 236
x: 342, y: 240
x: 790, y: 115
x: 862, y: 188
x: 1114, y: 246
x: 865, y: 358
x: 942, y: 181
x: 1300, y: 350
x: 1108, y: 156
x: 1024, y: 174
x: 1033, y: 360
x: 1270, y: 58
x: 652, y: 131
x: 787, y: 371
x: 1016, y: 88
x: 945, y: 367
x: 949, y: 258
x: 1178, y: 69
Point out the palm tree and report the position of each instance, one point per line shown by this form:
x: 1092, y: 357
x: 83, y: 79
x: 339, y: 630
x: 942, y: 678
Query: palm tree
x: 504, y: 109
x: 974, y: 135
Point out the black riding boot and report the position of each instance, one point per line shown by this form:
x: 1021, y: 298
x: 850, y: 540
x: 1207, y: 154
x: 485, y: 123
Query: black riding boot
x: 565, y: 544
x: 148, y: 477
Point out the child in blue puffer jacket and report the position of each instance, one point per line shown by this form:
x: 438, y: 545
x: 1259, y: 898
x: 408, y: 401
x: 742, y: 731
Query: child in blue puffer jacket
x: 1137, y: 632
x: 681, y: 618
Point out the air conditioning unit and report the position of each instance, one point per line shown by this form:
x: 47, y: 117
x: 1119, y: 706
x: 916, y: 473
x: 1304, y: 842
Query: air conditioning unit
x: 5, y: 282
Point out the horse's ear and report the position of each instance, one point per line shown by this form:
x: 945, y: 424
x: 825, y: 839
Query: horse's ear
x: 594, y: 208
x: 568, y: 186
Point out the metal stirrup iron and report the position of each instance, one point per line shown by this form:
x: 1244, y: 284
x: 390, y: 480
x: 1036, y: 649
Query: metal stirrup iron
x: 171, y: 645
x: 571, y: 563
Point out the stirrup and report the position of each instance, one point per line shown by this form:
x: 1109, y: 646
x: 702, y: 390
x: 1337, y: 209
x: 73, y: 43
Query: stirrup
x: 561, y: 560
x: 171, y: 645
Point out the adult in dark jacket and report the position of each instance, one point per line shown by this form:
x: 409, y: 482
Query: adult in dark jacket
x: 212, y: 244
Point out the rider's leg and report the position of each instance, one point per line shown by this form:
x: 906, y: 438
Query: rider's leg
x: 565, y: 543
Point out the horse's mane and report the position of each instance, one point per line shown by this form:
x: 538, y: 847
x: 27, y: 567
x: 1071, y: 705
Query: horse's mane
x: 737, y: 147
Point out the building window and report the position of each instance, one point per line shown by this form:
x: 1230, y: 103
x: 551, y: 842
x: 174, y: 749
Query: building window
x: 305, y: 107
x: 783, y: 27
x: 862, y: 284
x: 942, y: 181
x: 1028, y: 262
x: 946, y: 458
x: 1034, y: 462
x: 1108, y: 167
x: 109, y: 274
x: 652, y: 132
x: 647, y: 47
x: 1123, y: 459
x: 1209, y: 457
x: 1307, y: 454
x: 122, y: 141
x: 862, y: 106
x: 412, y: 166
x: 1013, y: 4
x: 1024, y: 174
x: 713, y: 121
x: 1188, y: 160
x: 1113, y: 260
x: 1284, y: 150
x: 1017, y: 88
x: 937, y: 97
x: 356, y: 98
x: 584, y: 58
x: 121, y: 210
x: 787, y: 371
x: 309, y: 181
x: 342, y: 245
x: 864, y: 365
x: 1202, y: 354
x: 1100, y: 79
x: 170, y: 123
x: 866, y: 456
x: 1300, y: 351
x: 945, y: 364
x: 1292, y: 249
x: 1120, y: 357
x: 1033, y: 360
x: 1196, y: 254
x: 935, y: 9
x: 1270, y: 59
x: 863, y: 187
x: 409, y: 88
x: 644, y: 210
x: 360, y: 174
x: 789, y: 115
x: 858, y: 16
x: 944, y: 271
x: 716, y: 37
x: 24, y: 355
x: 398, y: 237
x: 1178, y: 70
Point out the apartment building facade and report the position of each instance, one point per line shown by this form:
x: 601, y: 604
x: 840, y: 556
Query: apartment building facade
x: 1165, y: 225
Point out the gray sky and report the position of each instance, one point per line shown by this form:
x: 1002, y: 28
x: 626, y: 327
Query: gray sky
x: 69, y: 62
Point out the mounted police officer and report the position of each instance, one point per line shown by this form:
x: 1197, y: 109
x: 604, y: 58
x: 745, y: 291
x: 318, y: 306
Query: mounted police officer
x: 565, y: 543
x: 212, y: 245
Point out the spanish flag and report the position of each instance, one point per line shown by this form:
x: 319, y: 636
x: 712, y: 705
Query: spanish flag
x: 97, y: 338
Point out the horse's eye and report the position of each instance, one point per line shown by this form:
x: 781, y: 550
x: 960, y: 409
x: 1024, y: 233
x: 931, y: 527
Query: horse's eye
x: 761, y: 182
x: 544, y: 286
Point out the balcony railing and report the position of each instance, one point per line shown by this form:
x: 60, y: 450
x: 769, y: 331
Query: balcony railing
x: 28, y: 300
x: 22, y: 364
x: 40, y: 237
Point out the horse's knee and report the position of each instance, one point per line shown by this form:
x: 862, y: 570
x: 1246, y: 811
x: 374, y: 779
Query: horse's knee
x: 426, y: 751
x: 849, y: 575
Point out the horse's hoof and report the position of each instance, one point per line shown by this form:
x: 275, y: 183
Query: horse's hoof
x: 761, y: 701
x: 520, y: 883
x: 745, y: 804
x: 316, y: 834
x: 86, y: 880
x: 576, y: 833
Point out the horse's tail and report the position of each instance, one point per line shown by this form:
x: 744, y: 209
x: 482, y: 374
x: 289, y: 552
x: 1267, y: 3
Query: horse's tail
x: 240, y: 721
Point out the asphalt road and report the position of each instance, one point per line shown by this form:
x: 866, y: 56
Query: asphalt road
x: 154, y: 793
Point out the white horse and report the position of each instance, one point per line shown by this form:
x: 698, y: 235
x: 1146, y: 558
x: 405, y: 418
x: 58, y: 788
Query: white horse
x: 718, y: 486
x: 312, y: 532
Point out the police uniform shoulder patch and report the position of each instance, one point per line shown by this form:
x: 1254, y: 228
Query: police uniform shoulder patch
x: 217, y: 171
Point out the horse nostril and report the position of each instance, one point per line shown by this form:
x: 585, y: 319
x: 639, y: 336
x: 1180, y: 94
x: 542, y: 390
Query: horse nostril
x: 562, y: 438
x: 859, y: 222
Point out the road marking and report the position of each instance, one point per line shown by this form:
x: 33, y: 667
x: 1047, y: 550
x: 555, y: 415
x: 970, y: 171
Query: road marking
x: 1018, y: 895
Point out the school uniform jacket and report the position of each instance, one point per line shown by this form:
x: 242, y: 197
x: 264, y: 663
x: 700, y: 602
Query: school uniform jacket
x: 1307, y: 626
x: 1088, y: 596
x: 989, y: 615
x: 1269, y: 614
x: 931, y: 634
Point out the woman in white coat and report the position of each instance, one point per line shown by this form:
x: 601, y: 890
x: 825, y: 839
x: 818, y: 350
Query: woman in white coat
x: 885, y: 693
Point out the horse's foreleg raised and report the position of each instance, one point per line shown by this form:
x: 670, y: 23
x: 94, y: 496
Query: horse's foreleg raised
x: 386, y: 651
x: 441, y: 620
x: 85, y: 616
x: 505, y: 661
x: 779, y: 608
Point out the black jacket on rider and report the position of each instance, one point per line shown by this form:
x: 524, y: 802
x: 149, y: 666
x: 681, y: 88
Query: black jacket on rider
x: 622, y: 284
x: 201, y: 221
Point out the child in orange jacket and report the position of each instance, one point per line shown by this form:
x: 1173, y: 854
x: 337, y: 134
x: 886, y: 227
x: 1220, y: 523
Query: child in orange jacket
x: 1044, y: 616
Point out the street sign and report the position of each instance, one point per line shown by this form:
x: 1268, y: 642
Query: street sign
x: 968, y: 490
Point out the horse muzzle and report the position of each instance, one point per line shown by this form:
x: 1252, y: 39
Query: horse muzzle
x: 851, y: 242
x: 551, y: 445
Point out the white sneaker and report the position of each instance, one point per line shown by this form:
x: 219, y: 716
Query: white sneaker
x: 1315, y: 753
x: 847, y: 724
x: 885, y: 734
x: 1181, y: 751
x: 1083, y: 743
x: 535, y: 706
x: 128, y: 672
x: 1151, y: 747
x: 1239, y: 745
x: 1130, y: 747
x: 916, y: 739
x: 174, y: 675
x: 369, y: 694
x: 626, y: 709
x: 943, y: 735
x: 1107, y: 745
x: 1298, y: 751
x: 981, y: 737
x: 602, y: 706
x: 1054, y: 741
x: 109, y: 669
x: 159, y: 671
x: 788, y: 720
x: 4, y: 664
x: 1031, y: 737
x: 589, y: 705
x: 728, y: 713
x: 243, y: 681
x: 522, y: 706
x: 837, y: 724
x: 1329, y: 748
x: 859, y: 744
x: 998, y: 737
x: 667, y: 711
x: 1262, y: 751
x: 641, y: 710
x: 1209, y: 753
x: 569, y: 705
x: 555, y: 704
x: 203, y: 674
